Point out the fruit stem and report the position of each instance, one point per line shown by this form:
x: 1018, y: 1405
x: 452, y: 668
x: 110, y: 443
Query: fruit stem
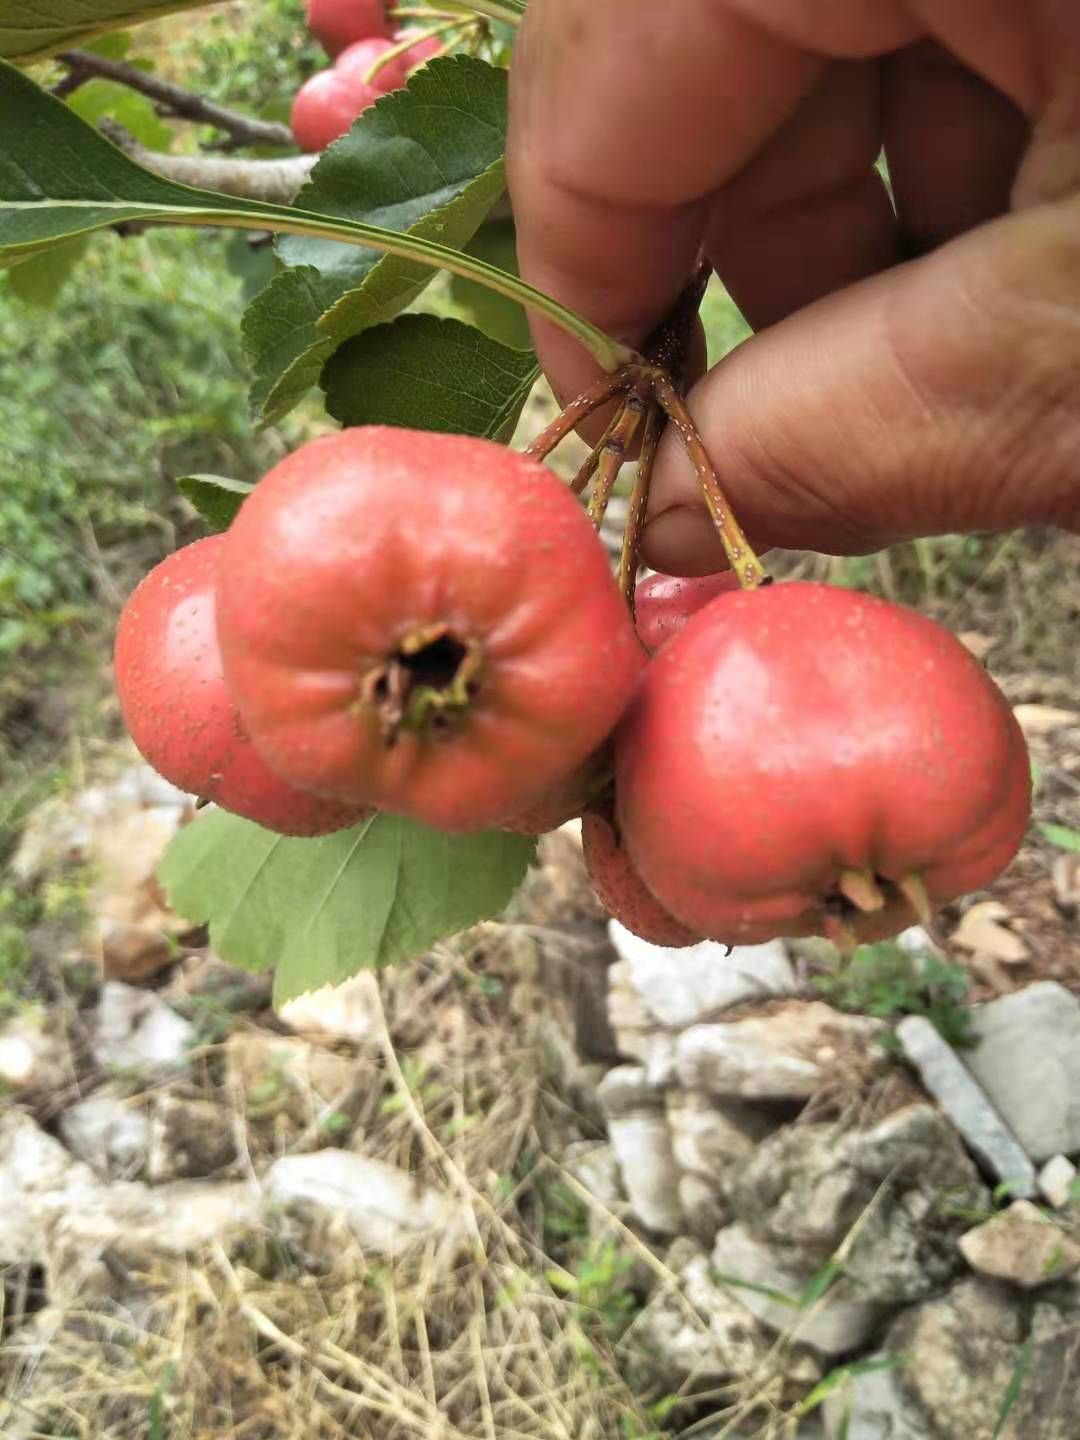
x: 598, y: 394
x: 741, y: 556
x: 402, y: 46
x: 639, y: 504
x: 613, y: 450
x: 914, y: 892
x: 588, y: 466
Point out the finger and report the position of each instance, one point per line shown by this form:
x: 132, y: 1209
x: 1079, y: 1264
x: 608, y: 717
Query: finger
x: 809, y: 213
x: 624, y: 121
x: 943, y: 395
x: 953, y: 142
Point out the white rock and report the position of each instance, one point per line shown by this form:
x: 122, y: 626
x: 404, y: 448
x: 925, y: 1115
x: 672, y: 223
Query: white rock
x: 135, y: 1030
x: 707, y: 1338
x: 109, y: 1133
x: 352, y: 1011
x: 712, y: 1137
x: 680, y: 987
x: 34, y: 1056
x: 1022, y: 1246
x: 703, y: 1208
x: 35, y: 1170
x: 650, y: 1175
x: 594, y: 1164
x: 1056, y: 1181
x: 1028, y: 1062
x: 871, y: 1405
x: 833, y: 1325
x: 782, y: 1056
x: 966, y: 1104
x: 386, y: 1209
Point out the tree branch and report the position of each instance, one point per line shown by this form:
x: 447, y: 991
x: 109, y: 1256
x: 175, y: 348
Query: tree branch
x: 273, y: 181
x: 171, y: 99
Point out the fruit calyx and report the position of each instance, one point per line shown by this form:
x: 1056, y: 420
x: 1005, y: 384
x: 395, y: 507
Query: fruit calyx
x: 426, y: 685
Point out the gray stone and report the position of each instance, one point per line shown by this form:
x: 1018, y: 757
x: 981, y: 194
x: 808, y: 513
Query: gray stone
x: 628, y: 1090
x: 875, y: 1191
x: 1021, y: 1245
x: 35, y: 1171
x: 135, y: 1030
x: 678, y: 988
x: 384, y: 1208
x: 872, y: 1405
x: 650, y: 1175
x: 110, y: 1133
x: 703, y: 1209
x: 1028, y: 1062
x: 749, y: 1267
x: 1057, y: 1180
x: 965, y: 1349
x: 35, y: 1058
x: 785, y: 1055
x: 714, y: 1138
x: 966, y: 1104
x: 188, y: 1138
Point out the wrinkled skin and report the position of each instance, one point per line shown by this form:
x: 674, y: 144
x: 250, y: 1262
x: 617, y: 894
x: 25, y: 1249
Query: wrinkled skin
x: 794, y: 732
x: 178, y: 711
x: 664, y: 603
x: 339, y: 23
x: 326, y: 106
x: 621, y: 890
x: 423, y: 622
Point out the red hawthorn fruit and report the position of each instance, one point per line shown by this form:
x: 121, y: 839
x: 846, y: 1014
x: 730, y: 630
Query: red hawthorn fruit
x: 567, y: 798
x: 422, y: 51
x: 664, y: 603
x: 621, y: 890
x: 338, y: 23
x: 326, y: 106
x: 804, y: 759
x: 177, y: 708
x: 422, y: 622
x: 355, y: 63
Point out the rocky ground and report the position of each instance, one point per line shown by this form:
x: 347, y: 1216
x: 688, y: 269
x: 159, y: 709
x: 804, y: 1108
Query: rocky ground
x: 549, y: 1180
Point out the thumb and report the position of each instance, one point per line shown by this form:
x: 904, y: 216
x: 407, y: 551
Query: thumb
x: 940, y: 396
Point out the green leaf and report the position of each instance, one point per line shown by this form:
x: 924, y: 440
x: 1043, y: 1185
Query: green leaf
x: 98, y: 99
x: 39, y: 280
x: 1062, y: 837
x: 502, y: 319
x: 216, y: 498
x: 427, y: 160
x: 432, y: 374
x: 1012, y: 1390
x: 32, y: 29
x: 59, y: 178
x: 321, y: 910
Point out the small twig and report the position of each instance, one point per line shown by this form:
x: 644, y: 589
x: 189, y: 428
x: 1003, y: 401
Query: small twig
x: 613, y: 450
x: 273, y: 181
x: 402, y: 47
x: 639, y: 504
x: 171, y: 99
x: 740, y: 556
x: 605, y: 389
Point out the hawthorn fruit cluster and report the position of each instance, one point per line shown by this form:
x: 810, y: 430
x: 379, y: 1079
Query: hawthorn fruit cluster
x: 427, y: 624
x: 368, y: 62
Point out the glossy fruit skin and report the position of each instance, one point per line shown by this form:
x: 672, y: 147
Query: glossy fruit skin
x: 621, y: 890
x: 363, y: 543
x: 423, y: 51
x: 178, y: 710
x: 794, y: 731
x: 664, y: 603
x: 355, y: 62
x: 339, y: 23
x: 326, y: 106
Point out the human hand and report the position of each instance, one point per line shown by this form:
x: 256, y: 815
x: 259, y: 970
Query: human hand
x: 916, y: 371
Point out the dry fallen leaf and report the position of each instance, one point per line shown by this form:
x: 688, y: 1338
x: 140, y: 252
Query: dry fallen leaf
x: 982, y: 931
x: 1044, y: 719
x: 979, y: 644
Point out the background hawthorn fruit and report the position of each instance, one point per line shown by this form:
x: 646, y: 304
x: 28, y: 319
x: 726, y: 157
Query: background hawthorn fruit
x: 664, y: 603
x: 339, y: 23
x: 177, y: 708
x: 621, y: 890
